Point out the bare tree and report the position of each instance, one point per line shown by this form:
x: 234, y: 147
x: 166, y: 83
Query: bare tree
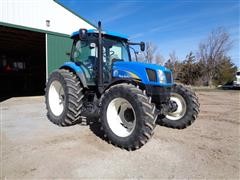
x: 152, y: 55
x: 159, y: 59
x: 150, y: 51
x: 213, y: 50
x: 173, y: 57
x: 174, y: 64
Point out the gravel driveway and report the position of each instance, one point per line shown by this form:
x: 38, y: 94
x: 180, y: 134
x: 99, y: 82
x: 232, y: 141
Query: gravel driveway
x: 33, y: 147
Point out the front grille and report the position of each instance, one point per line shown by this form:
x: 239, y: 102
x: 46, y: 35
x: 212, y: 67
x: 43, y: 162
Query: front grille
x: 168, y: 76
x: 152, y: 75
x: 159, y: 94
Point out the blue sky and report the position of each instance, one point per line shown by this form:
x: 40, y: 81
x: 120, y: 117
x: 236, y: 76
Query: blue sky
x: 172, y: 25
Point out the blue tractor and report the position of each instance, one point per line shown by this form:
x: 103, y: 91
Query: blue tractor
x: 127, y: 97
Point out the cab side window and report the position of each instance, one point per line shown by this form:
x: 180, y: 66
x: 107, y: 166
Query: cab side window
x: 85, y: 54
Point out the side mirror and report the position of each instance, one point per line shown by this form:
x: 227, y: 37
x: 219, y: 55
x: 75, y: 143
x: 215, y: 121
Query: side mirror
x: 142, y: 46
x: 82, y: 34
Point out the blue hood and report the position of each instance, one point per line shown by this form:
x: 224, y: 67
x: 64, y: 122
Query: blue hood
x: 137, y: 70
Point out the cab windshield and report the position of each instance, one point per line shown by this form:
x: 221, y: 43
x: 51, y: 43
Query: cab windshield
x: 115, y: 51
x: 86, y: 54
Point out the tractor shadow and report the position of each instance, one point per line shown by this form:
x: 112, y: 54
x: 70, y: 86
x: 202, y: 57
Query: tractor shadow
x: 95, y: 127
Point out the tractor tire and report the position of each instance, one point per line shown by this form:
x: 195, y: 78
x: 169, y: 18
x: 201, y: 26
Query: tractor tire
x: 63, y: 97
x: 187, y: 109
x: 127, y: 116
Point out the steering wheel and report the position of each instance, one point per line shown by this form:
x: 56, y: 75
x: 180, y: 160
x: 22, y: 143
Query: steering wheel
x: 110, y: 53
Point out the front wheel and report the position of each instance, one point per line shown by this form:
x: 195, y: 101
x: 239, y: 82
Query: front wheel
x: 127, y: 116
x: 64, y: 98
x: 186, y: 108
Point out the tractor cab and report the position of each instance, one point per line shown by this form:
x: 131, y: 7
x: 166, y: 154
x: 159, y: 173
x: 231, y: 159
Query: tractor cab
x: 85, y: 54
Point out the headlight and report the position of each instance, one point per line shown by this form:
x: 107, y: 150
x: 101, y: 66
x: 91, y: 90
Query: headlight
x: 152, y: 75
x: 161, y: 76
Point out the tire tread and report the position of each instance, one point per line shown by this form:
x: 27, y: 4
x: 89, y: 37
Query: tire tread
x: 148, y: 120
x: 193, y: 110
x: 74, y: 94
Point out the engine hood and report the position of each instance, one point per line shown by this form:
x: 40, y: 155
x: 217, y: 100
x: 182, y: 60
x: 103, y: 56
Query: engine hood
x: 137, y: 70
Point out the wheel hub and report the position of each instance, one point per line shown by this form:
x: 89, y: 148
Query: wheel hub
x: 128, y: 115
x: 172, y: 106
x: 56, y: 98
x: 121, y: 117
x: 177, y: 107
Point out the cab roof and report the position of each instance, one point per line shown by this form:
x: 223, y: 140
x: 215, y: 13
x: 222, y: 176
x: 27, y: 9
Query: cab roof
x: 109, y: 33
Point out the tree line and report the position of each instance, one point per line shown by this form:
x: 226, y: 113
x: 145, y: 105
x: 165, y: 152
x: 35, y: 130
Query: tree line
x: 209, y: 66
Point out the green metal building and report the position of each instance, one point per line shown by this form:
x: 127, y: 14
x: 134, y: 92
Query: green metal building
x: 34, y: 40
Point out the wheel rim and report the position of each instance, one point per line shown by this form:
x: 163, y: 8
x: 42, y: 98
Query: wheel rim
x: 181, y: 107
x: 121, y: 117
x: 56, y: 98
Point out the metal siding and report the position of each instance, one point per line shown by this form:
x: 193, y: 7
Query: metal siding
x: 57, y: 47
x: 32, y: 29
x: 34, y: 13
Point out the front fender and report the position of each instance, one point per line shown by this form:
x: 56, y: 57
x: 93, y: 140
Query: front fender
x: 77, y: 69
x: 125, y: 80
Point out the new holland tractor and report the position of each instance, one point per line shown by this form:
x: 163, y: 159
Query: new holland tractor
x: 127, y: 97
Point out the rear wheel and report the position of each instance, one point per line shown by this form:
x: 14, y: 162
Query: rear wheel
x: 127, y: 116
x: 63, y: 98
x: 186, y: 108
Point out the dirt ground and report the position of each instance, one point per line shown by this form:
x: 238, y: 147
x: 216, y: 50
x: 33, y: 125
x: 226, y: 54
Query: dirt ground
x: 32, y: 147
